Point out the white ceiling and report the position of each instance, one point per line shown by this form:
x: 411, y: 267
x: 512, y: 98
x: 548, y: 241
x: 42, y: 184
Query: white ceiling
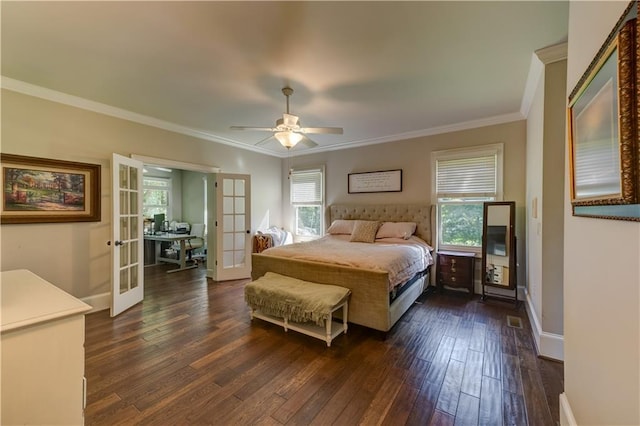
x: 381, y: 70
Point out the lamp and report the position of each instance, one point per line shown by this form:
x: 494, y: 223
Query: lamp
x: 288, y: 139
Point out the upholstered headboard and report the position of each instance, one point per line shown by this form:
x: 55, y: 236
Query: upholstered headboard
x: 418, y: 213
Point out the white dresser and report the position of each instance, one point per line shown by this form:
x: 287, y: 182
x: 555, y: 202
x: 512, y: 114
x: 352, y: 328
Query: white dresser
x: 42, y: 344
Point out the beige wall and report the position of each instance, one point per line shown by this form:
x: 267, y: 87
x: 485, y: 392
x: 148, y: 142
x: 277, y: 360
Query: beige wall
x: 535, y: 143
x: 414, y: 158
x: 193, y: 197
x: 75, y: 256
x: 601, y: 275
x: 545, y: 194
x: 551, y: 209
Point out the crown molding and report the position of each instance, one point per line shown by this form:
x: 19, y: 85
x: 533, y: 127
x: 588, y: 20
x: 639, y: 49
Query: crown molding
x: 551, y: 54
x: 86, y: 104
x: 540, y: 58
x: 100, y: 108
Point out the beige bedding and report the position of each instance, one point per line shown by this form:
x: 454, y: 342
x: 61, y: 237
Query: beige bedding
x: 402, y: 259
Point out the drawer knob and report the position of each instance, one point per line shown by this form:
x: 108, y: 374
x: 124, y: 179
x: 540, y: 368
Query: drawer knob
x: 453, y: 261
x: 453, y: 279
x: 453, y: 269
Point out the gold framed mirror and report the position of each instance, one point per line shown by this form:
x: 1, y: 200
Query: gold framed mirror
x: 499, y: 247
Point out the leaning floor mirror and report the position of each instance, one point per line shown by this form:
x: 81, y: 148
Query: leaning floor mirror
x: 499, y: 250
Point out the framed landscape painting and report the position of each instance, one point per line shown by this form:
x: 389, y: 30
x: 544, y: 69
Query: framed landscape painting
x: 40, y: 190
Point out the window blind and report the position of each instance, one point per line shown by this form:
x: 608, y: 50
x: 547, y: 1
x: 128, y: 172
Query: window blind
x: 306, y: 186
x: 464, y: 177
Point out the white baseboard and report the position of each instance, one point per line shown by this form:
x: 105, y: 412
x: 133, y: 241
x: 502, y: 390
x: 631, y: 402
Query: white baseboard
x: 566, y: 415
x: 549, y: 345
x: 99, y: 302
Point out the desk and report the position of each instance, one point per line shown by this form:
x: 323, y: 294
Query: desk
x: 182, y: 261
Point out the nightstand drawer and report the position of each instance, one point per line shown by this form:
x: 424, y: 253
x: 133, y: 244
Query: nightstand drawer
x: 455, y: 269
x: 455, y: 279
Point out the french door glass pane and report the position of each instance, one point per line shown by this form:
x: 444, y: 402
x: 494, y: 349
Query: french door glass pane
x: 239, y: 208
x: 124, y: 228
x: 133, y: 178
x: 134, y: 228
x: 134, y: 252
x: 227, y: 223
x: 239, y: 187
x: 124, y: 202
x: 134, y: 276
x: 124, y: 280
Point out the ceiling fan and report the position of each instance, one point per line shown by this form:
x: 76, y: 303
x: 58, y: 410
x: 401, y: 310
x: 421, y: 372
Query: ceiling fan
x: 288, y: 130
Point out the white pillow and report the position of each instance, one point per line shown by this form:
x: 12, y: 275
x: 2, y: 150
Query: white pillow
x: 396, y: 230
x: 341, y: 226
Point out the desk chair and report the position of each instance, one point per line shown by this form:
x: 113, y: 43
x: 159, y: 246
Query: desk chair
x: 192, y: 244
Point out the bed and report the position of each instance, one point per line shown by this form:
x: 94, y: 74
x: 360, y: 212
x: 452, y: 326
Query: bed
x: 379, y: 297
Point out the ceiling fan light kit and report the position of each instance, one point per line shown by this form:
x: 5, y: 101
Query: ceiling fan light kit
x: 288, y: 139
x: 288, y: 131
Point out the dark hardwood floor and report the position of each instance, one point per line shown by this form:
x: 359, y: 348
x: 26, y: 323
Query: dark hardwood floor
x: 189, y: 354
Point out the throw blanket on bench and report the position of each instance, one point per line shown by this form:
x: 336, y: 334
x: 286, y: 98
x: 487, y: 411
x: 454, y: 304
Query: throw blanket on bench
x: 294, y: 299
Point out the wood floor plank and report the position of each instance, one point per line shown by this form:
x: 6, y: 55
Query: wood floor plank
x: 450, y: 390
x: 384, y: 398
x: 440, y: 361
x: 478, y: 337
x: 442, y: 419
x: 468, y: 410
x: 511, y: 379
x: 472, y: 378
x: 424, y: 406
x: 490, y: 402
x: 492, y: 366
x: 514, y: 409
x: 190, y: 354
x: 536, y: 403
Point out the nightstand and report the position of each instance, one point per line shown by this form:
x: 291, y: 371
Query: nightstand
x: 455, y: 270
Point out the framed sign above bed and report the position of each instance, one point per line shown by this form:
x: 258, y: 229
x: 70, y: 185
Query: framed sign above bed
x: 381, y: 181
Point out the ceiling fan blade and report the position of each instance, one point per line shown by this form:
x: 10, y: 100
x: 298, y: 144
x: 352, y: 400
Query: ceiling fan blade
x: 263, y: 129
x: 307, y: 142
x: 322, y: 130
x: 264, y: 141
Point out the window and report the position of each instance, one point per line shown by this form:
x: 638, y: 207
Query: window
x: 156, y: 196
x: 463, y: 179
x: 307, y: 200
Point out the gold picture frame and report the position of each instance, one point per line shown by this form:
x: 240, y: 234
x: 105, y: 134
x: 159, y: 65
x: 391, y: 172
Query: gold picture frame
x: 603, y: 125
x: 41, y: 190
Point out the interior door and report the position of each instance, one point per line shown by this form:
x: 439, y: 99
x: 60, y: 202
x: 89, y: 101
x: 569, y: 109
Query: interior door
x: 233, y: 227
x: 127, y: 259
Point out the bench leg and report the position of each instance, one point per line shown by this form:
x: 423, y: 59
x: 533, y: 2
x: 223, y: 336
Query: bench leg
x: 345, y: 309
x: 327, y: 324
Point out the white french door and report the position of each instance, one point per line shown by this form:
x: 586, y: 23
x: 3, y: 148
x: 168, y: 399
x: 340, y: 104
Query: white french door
x: 127, y: 258
x: 233, y: 227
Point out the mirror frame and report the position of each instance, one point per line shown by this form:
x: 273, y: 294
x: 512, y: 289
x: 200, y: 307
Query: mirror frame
x: 511, y: 245
x: 625, y: 203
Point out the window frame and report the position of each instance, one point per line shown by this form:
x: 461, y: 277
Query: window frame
x: 168, y: 188
x: 295, y: 205
x: 497, y: 150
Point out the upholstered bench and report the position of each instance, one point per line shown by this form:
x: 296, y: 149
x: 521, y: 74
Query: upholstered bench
x: 298, y: 305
